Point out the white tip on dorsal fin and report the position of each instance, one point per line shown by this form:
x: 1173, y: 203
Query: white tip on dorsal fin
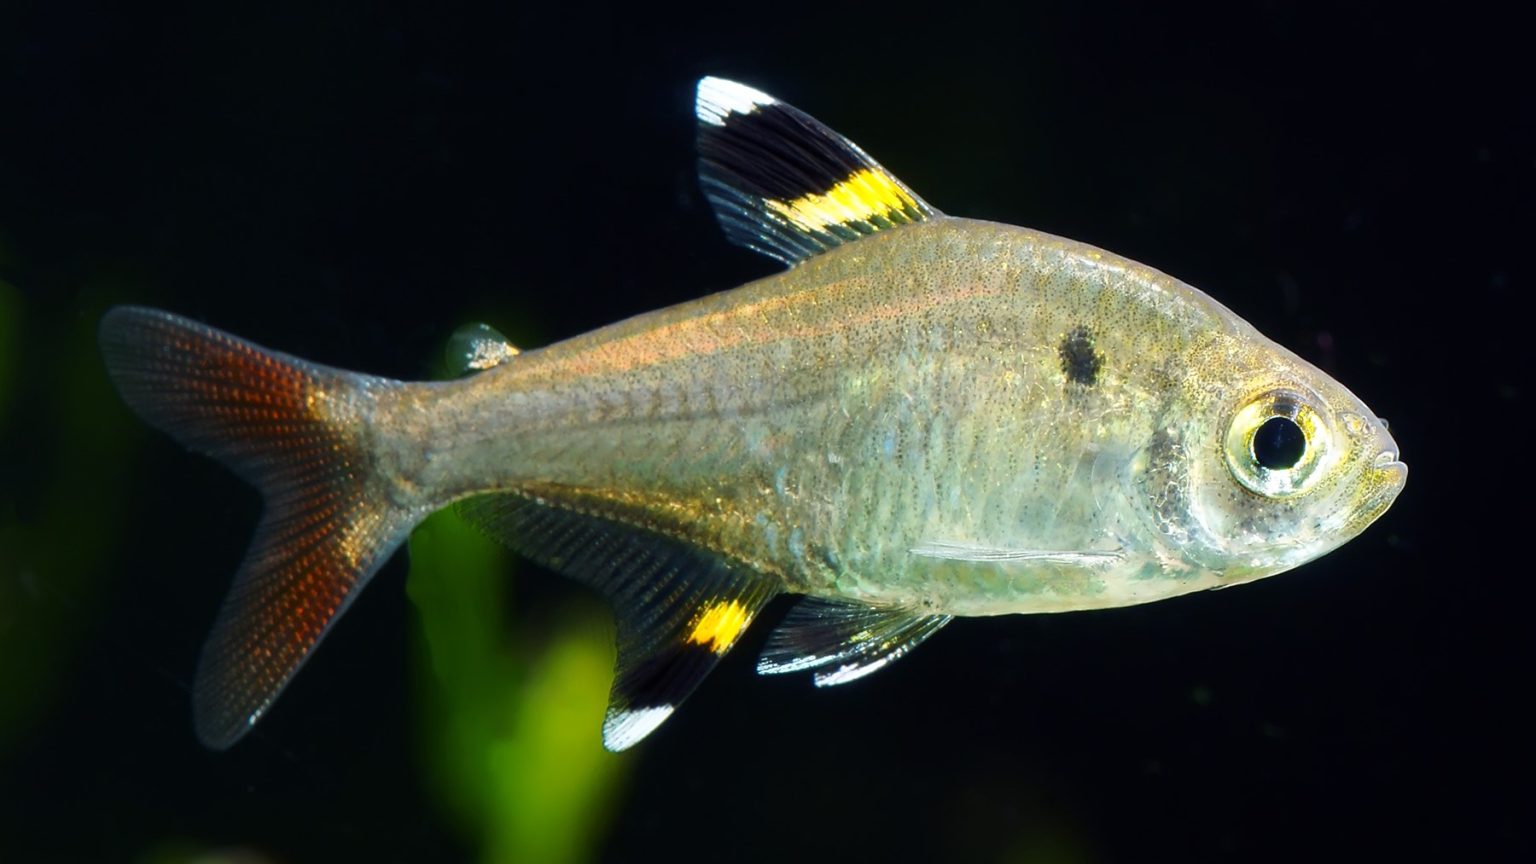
x: 718, y: 98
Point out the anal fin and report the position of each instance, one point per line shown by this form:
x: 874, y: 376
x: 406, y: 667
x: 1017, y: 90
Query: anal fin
x: 853, y: 639
x: 678, y: 609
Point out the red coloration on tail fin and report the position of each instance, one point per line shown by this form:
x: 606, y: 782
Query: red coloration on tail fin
x: 296, y: 431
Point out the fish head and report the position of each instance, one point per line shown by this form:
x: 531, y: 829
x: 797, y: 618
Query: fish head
x: 1276, y: 464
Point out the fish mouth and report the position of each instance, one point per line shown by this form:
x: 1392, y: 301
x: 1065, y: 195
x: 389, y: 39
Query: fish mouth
x: 1379, y: 479
x: 1387, y: 458
x: 1392, y: 473
x: 1389, y: 475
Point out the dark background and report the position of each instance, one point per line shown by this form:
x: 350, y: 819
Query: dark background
x: 350, y: 183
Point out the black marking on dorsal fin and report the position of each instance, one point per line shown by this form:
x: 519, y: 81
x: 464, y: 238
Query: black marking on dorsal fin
x: 785, y: 185
x: 678, y: 609
x: 853, y: 638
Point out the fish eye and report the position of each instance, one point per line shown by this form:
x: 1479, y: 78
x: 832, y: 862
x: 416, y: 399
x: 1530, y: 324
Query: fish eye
x: 1276, y: 443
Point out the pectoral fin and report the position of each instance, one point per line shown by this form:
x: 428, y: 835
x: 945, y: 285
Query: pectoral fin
x: 980, y: 552
x: 851, y: 638
x: 678, y: 609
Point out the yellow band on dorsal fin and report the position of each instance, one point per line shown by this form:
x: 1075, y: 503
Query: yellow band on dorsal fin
x: 867, y: 195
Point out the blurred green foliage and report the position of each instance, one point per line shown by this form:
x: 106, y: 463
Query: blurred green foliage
x: 511, y: 724
x: 51, y: 571
x: 512, y: 739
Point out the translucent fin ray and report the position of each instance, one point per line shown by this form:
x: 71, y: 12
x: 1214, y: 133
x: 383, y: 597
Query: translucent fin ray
x: 678, y: 609
x: 785, y: 185
x: 853, y: 638
x: 325, y: 529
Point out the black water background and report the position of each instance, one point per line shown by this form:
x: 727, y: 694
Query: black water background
x: 350, y: 184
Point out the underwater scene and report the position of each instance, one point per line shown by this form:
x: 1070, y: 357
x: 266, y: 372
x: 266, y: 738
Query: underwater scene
x: 902, y: 551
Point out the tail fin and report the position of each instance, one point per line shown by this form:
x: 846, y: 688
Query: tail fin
x: 298, y: 432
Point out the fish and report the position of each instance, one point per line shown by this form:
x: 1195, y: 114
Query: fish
x: 920, y: 417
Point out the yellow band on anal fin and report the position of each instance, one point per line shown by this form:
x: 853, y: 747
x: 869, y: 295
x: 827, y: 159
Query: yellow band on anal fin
x: 717, y: 625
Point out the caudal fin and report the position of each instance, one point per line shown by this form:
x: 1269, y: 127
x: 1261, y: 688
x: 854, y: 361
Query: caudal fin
x: 298, y: 432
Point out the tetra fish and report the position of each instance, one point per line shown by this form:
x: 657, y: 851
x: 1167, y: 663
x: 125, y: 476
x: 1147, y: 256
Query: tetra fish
x: 922, y: 417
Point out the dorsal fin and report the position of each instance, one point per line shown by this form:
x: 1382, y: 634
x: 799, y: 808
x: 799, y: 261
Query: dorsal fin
x: 785, y: 185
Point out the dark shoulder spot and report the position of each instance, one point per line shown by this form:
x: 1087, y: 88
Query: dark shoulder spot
x: 1079, y: 362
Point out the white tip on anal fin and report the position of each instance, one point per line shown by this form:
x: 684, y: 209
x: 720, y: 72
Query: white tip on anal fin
x: 625, y: 728
x: 718, y: 98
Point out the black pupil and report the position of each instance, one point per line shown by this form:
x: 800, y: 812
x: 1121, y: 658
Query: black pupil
x: 1279, y: 443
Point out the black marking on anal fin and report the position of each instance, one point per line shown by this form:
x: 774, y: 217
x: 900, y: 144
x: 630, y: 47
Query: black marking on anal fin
x: 853, y: 638
x: 1080, y: 360
x: 785, y: 185
x: 678, y: 609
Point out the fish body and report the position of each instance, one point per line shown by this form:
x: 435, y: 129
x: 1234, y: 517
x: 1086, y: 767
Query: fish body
x: 836, y: 425
x: 923, y: 417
